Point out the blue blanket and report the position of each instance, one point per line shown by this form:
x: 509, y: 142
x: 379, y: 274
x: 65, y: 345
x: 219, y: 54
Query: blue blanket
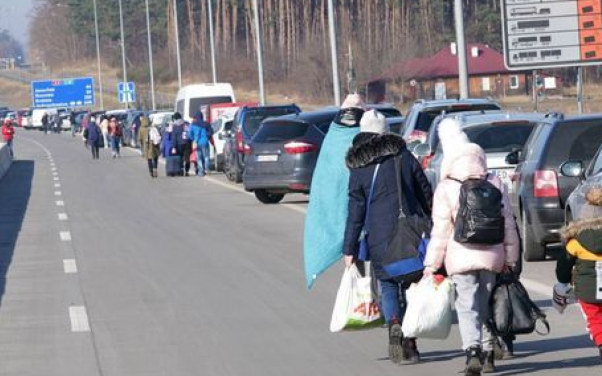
x: 328, y: 204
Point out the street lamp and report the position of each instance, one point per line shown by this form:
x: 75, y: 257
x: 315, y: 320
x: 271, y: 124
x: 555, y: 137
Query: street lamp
x: 178, y: 57
x: 98, y: 57
x: 333, y: 54
x: 259, y: 54
x: 125, y: 74
x: 212, y: 40
x: 150, y: 58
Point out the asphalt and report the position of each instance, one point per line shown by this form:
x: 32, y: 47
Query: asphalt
x: 191, y: 276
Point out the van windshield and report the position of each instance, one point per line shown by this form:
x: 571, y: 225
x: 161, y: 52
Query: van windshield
x: 197, y: 104
x: 254, y: 117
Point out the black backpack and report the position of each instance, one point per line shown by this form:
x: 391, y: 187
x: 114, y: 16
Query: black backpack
x: 480, y: 218
x: 512, y: 310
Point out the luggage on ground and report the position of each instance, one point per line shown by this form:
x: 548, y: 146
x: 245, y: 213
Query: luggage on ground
x: 173, y: 165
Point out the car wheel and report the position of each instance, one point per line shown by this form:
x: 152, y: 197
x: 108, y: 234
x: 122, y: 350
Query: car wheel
x: 267, y: 197
x: 532, y: 249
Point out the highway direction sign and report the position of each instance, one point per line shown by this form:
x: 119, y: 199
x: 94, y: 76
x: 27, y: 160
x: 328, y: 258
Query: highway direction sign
x: 551, y: 33
x: 126, y: 92
x: 71, y: 92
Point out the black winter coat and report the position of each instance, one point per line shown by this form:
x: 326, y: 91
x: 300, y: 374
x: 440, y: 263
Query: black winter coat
x: 367, y: 151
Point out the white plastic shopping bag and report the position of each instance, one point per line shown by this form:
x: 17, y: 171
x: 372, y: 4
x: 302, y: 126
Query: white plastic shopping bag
x: 355, y: 307
x: 429, y: 310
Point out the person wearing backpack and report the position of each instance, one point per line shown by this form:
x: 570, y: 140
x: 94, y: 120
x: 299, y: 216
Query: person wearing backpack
x: 380, y: 164
x: 92, y: 137
x: 474, y: 236
x: 115, y: 137
x: 150, y: 140
x: 200, y: 139
x: 581, y: 266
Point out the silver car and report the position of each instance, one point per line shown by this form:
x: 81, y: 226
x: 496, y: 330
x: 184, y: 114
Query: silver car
x: 576, y: 206
x: 498, y: 133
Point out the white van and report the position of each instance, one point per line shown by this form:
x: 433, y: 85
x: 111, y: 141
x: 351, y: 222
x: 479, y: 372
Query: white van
x: 38, y: 113
x: 194, y: 98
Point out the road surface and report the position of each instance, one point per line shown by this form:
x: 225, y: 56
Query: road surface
x: 106, y: 272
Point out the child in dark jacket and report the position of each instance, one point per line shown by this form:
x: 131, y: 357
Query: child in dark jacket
x: 581, y: 266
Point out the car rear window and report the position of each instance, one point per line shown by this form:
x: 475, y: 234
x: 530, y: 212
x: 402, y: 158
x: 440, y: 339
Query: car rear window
x: 280, y: 131
x: 254, y: 117
x: 500, y: 138
x: 197, y: 104
x: 426, y: 117
x: 574, y: 140
x: 389, y: 112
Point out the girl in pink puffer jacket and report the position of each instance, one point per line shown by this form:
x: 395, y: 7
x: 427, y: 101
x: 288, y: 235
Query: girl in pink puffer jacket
x: 473, y: 268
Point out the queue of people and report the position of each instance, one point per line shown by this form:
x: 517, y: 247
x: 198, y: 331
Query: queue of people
x: 366, y: 176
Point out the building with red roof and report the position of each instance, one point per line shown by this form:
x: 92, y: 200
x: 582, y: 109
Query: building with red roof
x: 436, y: 77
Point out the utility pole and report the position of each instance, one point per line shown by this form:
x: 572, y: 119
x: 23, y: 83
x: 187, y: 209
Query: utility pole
x: 462, y: 64
x: 580, y: 89
x: 333, y: 54
x: 102, y: 106
x: 259, y: 53
x: 125, y: 74
x: 351, y: 79
x: 178, y: 57
x: 212, y: 41
x: 150, y: 58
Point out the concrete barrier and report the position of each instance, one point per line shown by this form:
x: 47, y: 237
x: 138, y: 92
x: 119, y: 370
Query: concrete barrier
x: 5, y: 159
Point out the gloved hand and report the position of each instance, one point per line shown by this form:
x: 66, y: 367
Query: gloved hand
x: 561, y: 296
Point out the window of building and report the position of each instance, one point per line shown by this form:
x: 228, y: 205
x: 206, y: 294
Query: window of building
x: 514, y: 82
x: 486, y: 84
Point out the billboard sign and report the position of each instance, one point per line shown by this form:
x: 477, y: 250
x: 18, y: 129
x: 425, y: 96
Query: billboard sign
x: 551, y: 33
x: 71, y: 92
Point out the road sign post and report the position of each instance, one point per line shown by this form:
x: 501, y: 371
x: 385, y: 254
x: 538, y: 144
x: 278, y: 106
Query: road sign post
x: 126, y: 92
x: 72, y: 92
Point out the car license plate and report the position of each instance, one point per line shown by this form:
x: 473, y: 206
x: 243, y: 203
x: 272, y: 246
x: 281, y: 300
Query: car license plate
x: 267, y: 158
x: 505, y: 176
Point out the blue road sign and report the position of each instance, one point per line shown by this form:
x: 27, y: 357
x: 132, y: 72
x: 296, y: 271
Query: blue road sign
x: 126, y: 92
x: 71, y: 92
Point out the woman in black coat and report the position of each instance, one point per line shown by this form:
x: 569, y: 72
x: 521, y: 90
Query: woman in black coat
x: 372, y: 147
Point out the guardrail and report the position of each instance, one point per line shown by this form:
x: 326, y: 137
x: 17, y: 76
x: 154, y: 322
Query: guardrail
x: 5, y: 159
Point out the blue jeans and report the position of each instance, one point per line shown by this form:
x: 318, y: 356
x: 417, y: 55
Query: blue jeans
x: 202, y: 153
x: 115, y: 144
x: 393, y: 297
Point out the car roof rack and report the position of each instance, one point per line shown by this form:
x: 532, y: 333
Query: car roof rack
x: 555, y: 115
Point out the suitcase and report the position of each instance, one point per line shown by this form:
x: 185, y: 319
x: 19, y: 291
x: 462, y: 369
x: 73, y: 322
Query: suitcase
x: 173, y: 165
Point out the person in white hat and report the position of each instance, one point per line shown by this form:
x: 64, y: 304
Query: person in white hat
x: 380, y: 163
x: 327, y: 211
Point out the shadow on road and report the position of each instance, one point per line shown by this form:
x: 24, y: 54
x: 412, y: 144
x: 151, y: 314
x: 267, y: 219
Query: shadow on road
x: 15, y: 190
x: 525, y: 368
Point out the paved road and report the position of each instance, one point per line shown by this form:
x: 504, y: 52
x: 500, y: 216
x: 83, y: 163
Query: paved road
x: 188, y: 276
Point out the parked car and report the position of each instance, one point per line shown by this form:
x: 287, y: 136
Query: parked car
x: 283, y: 154
x: 540, y: 192
x: 245, y: 125
x: 193, y: 98
x: 395, y: 123
x: 37, y: 115
x: 161, y: 119
x: 498, y: 133
x: 222, y: 129
x: 65, y: 116
x: 589, y: 176
x: 388, y: 110
x: 422, y: 114
x: 24, y: 118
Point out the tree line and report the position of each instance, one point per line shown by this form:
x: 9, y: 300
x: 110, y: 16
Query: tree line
x: 294, y: 33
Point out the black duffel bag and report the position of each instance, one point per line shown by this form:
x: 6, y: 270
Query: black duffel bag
x: 512, y: 310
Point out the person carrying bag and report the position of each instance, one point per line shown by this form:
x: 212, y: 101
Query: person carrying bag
x: 387, y: 187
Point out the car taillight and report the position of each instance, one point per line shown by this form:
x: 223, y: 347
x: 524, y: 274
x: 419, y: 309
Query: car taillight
x: 246, y: 149
x: 240, y: 142
x: 426, y: 161
x: 299, y: 147
x: 545, y: 184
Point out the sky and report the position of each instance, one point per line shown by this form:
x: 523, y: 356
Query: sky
x: 14, y: 16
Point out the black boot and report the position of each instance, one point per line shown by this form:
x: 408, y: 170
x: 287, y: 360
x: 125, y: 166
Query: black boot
x: 509, y: 348
x: 410, y: 351
x: 600, y: 349
x: 473, y: 361
x: 395, y: 339
x: 489, y: 362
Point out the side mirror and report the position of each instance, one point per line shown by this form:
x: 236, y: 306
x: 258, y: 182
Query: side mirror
x: 572, y: 169
x: 512, y: 158
x: 422, y: 150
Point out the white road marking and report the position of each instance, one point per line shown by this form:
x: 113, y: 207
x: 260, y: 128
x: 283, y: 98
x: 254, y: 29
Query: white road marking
x: 70, y: 266
x: 58, y: 193
x: 55, y: 173
x: 79, y: 319
x: 57, y: 185
x: 53, y: 168
x: 60, y: 203
x: 56, y: 178
x: 63, y: 217
x: 65, y: 236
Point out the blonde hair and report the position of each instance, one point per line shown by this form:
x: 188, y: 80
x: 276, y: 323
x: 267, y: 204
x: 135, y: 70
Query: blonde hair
x: 594, y: 196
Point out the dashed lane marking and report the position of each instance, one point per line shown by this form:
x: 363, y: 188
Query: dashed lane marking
x: 70, y: 266
x: 65, y: 236
x: 63, y: 217
x: 55, y: 173
x: 60, y: 203
x: 56, y: 178
x: 58, y: 193
x: 79, y: 319
x: 57, y: 185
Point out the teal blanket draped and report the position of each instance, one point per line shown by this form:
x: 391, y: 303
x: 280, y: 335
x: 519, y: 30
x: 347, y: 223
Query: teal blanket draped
x: 328, y: 204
